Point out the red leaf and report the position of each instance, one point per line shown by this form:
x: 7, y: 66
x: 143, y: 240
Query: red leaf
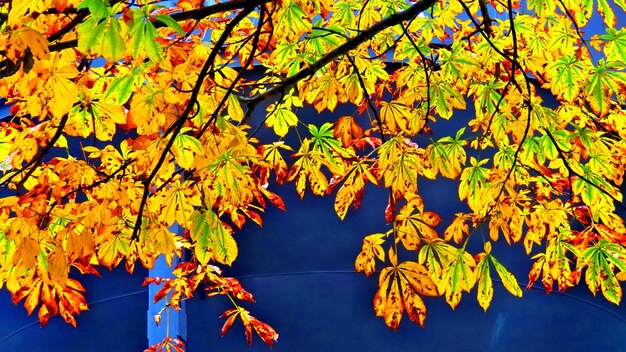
x: 232, y: 314
x: 274, y: 199
x: 167, y: 287
x: 265, y: 332
x: 389, y: 212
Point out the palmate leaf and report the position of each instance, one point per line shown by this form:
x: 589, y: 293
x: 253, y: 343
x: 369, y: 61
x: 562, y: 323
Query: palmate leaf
x: 347, y: 130
x: 281, y: 119
x: 400, y: 163
x: 485, y: 283
x: 66, y: 300
x: 399, y: 289
x: 601, y: 260
x: 102, y: 36
x: 351, y: 191
x: 185, y: 149
x: 568, y: 74
x: 458, y: 276
x: 323, y: 140
x: 64, y: 91
x: 146, y: 110
x: 121, y: 88
x: 271, y: 153
x: 414, y: 223
x: 213, y: 239
x: 144, y: 35
x: 447, y: 155
x: 98, y: 118
x: 308, y: 167
x: 396, y: 116
x: 250, y: 323
x: 474, y: 186
x: 445, y: 98
x: 607, y: 79
x: 457, y: 229
x: 615, y: 47
x: 231, y: 180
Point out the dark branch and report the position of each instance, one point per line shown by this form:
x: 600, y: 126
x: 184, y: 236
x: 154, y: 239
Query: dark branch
x: 343, y: 49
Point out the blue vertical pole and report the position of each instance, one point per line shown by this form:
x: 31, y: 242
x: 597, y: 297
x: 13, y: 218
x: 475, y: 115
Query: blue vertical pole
x: 173, y: 322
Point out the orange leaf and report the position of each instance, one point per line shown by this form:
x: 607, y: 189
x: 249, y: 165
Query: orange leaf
x: 346, y: 130
x: 32, y: 300
x: 393, y: 306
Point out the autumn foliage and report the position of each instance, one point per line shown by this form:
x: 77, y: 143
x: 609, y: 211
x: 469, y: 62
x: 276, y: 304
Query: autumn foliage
x: 129, y: 117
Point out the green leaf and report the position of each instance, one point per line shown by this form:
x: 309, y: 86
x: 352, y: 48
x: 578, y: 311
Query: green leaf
x: 473, y: 182
x: 185, y: 149
x: 448, y: 156
x: 203, y: 250
x: 445, y: 98
x: 324, y: 141
x: 225, y: 246
x: 459, y: 276
x: 567, y: 74
x: 508, y: 280
x: 97, y: 8
x: 102, y: 36
x: 144, y: 36
x: 90, y: 34
x: 541, y: 7
x: 170, y: 22
x: 213, y: 239
x: 121, y: 89
x: 615, y: 48
x: 607, y: 78
x: 113, y: 45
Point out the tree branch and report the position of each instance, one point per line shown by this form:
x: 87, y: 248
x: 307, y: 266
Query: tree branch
x: 343, y: 49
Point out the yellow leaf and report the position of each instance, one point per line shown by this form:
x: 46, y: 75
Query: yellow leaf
x: 64, y: 92
x: 280, y: 120
x: 372, y: 249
